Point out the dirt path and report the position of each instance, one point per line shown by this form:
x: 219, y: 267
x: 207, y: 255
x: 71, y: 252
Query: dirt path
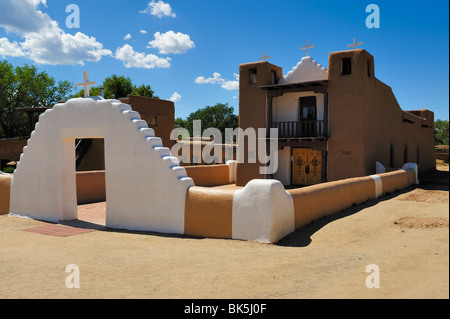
x: 406, y: 235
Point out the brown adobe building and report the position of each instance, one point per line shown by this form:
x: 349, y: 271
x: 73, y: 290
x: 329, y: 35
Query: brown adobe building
x: 332, y: 124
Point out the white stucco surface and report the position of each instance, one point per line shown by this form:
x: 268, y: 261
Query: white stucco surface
x: 414, y: 167
x: 286, y: 108
x: 145, y: 186
x: 378, y: 185
x: 262, y: 211
x: 305, y: 71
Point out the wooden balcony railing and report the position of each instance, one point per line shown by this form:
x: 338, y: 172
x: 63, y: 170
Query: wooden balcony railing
x: 300, y: 129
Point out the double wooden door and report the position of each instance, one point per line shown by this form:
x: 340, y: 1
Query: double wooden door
x: 306, y: 166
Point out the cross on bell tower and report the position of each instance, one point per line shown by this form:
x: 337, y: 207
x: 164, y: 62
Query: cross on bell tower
x: 354, y: 45
x: 86, y: 84
x: 265, y: 57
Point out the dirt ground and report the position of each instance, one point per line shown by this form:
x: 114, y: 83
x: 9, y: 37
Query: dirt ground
x: 405, y: 234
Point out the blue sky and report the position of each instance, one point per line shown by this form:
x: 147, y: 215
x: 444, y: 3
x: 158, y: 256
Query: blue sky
x: 195, y: 47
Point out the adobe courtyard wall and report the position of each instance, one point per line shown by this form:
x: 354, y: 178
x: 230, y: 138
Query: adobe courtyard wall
x: 317, y: 201
x: 91, y: 187
x: 5, y: 192
x: 209, y: 175
x: 263, y: 210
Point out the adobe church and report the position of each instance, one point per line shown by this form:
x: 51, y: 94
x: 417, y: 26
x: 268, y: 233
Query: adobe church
x: 332, y: 124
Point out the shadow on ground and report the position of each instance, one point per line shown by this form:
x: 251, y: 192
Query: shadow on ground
x: 435, y: 180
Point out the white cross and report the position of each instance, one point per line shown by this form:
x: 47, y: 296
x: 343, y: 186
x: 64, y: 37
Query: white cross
x: 354, y: 45
x: 265, y: 57
x: 86, y: 83
x: 307, y: 48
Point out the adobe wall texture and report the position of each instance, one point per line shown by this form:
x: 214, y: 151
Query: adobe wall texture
x: 252, y: 112
x: 367, y: 123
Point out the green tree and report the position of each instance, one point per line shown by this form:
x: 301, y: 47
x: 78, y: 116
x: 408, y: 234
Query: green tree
x: 26, y: 87
x: 144, y: 90
x: 441, y: 136
x: 220, y: 116
x: 116, y: 87
x: 180, y: 122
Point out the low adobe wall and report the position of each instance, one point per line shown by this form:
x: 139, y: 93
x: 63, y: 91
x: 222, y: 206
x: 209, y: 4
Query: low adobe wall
x: 209, y: 175
x: 209, y: 212
x: 262, y: 210
x: 91, y: 187
x: 5, y: 186
x: 313, y: 202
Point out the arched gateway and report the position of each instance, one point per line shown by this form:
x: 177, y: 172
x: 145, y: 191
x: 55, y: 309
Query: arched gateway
x: 145, y: 186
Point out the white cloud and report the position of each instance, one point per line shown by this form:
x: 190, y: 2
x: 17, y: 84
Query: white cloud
x: 10, y: 48
x: 171, y: 42
x: 127, y: 37
x: 133, y: 59
x: 175, y: 97
x: 159, y: 9
x: 43, y: 40
x: 217, y: 79
x: 142, y: 32
x: 22, y: 16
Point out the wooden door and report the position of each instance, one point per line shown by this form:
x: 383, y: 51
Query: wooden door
x: 306, y: 166
x: 299, y: 165
x: 315, y: 167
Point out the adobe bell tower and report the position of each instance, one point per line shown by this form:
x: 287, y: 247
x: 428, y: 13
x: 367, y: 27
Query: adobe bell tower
x: 253, y: 113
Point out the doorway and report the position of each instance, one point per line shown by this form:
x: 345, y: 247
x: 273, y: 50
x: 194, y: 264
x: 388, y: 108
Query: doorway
x: 306, y: 166
x: 90, y: 180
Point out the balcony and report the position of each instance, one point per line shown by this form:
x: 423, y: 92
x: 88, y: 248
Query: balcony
x: 303, y: 129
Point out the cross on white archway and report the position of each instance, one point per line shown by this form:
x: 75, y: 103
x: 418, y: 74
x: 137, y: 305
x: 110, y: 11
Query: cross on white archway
x: 265, y: 57
x: 307, y: 47
x: 86, y: 84
x: 354, y: 45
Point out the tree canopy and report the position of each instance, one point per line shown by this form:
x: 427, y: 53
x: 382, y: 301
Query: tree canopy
x: 26, y: 87
x: 220, y: 116
x: 116, y: 87
x: 441, y: 132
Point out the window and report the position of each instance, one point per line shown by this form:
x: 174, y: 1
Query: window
x: 273, y: 79
x: 346, y: 67
x: 252, y: 76
x: 152, y: 121
x: 308, y: 108
x: 308, y: 116
x: 369, y: 69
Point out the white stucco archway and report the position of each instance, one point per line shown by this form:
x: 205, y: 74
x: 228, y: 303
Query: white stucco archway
x: 145, y: 186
